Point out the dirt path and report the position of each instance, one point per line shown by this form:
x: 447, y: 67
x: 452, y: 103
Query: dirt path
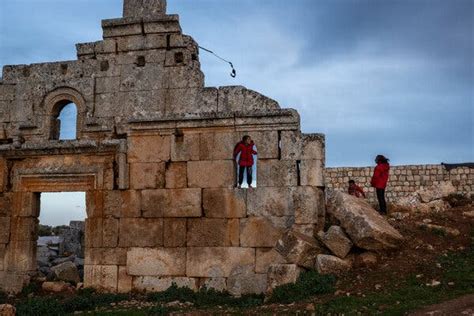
x: 460, y: 306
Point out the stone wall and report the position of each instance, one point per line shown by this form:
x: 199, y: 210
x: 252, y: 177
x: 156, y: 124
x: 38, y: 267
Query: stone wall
x: 403, y: 179
x: 154, y: 155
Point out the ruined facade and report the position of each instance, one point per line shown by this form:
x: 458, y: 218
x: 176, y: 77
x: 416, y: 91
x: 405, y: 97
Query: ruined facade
x: 154, y: 155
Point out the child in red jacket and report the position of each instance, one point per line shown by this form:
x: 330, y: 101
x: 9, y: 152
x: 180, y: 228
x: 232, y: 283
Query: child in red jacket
x: 355, y: 190
x: 380, y: 179
x: 245, y: 149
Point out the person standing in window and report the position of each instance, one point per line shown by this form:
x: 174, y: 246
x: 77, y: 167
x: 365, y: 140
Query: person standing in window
x: 246, y: 151
x: 379, y: 181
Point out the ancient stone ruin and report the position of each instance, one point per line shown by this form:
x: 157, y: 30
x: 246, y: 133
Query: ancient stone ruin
x: 154, y: 155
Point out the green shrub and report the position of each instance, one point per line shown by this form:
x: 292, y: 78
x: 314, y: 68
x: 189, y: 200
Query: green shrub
x: 39, y: 306
x: 204, y: 297
x: 309, y: 284
x: 88, y: 299
x: 32, y: 287
x: 3, y: 297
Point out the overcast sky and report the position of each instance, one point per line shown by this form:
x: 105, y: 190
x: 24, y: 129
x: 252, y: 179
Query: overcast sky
x: 390, y: 77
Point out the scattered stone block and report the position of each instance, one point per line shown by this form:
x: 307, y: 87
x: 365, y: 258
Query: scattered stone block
x: 54, y: 287
x: 336, y: 240
x: 265, y: 257
x: 365, y: 226
x: 67, y: 272
x: 298, y: 249
x: 326, y: 264
x: 436, y: 192
x: 280, y: 274
x: 156, y: 261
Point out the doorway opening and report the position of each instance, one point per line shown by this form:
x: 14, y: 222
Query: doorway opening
x: 61, y: 236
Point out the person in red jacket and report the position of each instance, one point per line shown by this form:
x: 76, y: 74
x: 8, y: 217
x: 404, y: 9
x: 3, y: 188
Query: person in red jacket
x: 355, y: 190
x: 245, y: 149
x: 380, y: 179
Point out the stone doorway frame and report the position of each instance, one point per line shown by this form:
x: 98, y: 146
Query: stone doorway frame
x: 21, y: 252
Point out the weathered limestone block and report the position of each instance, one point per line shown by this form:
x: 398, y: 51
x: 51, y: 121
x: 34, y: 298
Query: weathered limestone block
x: 54, y: 287
x: 174, y: 232
x: 3, y: 252
x: 298, y: 146
x: 436, y: 192
x: 105, y: 256
x: 24, y: 228
x: 326, y: 264
x: 149, y: 148
x: 110, y: 232
x: 107, y: 84
x: 5, y: 231
x: 141, y: 232
x: 308, y: 205
x: 280, y: 274
x: 144, y: 8
x: 231, y: 99
x: 142, y: 104
x: 160, y: 284
x: 256, y: 101
x: 218, y: 284
x: 306, y: 229
x: 183, y: 77
x: 336, y: 240
x: 185, y: 147
x: 20, y: 256
x: 176, y: 175
x: 147, y: 175
x: 312, y: 172
x: 298, y: 249
x: 260, y: 232
x: 266, y: 143
x: 313, y: 147
x: 27, y: 204
x: 103, y: 278
x: 243, y: 280
x: 211, y: 174
x: 225, y: 203
x: 122, y: 203
x: 276, y: 173
x: 217, y: 146
x: 212, y: 232
x: 93, y: 232
x: 156, y: 261
x: 265, y: 258
x: 217, y: 261
x: 268, y: 201
x: 364, y: 225
x: 171, y: 203
x: 291, y: 145
x: 124, y: 282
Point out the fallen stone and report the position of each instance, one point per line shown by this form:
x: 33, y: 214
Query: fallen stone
x: 326, y: 264
x: 298, y: 249
x: 66, y: 271
x: 365, y: 226
x: 436, y: 192
x: 336, y: 240
x: 409, y: 202
x: 438, y: 228
x: 59, y: 261
x: 7, y: 310
x: 468, y: 214
x: 399, y: 215
x: 433, y: 206
x: 279, y: 274
x: 56, y: 287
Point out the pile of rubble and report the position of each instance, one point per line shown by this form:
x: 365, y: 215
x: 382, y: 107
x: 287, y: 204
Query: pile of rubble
x: 426, y: 200
x: 60, y: 258
x: 357, y: 234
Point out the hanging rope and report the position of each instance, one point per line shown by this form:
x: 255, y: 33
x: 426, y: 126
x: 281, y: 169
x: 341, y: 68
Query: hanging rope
x: 233, y: 74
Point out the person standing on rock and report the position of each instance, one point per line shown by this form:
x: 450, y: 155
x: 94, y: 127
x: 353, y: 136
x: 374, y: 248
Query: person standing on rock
x: 380, y: 179
x: 355, y: 190
x: 246, y: 151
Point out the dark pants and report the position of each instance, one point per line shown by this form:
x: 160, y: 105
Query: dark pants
x: 381, y: 198
x: 249, y: 175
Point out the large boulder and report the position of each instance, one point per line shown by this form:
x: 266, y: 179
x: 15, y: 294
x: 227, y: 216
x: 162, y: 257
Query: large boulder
x: 365, y: 226
x: 66, y: 271
x: 298, y: 248
x: 327, y: 264
x: 56, y: 287
x: 336, y: 240
x: 436, y: 192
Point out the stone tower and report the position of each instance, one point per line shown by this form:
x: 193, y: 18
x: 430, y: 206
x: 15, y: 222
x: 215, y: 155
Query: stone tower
x: 154, y: 154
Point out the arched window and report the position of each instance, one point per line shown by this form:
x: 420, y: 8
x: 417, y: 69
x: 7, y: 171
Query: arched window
x: 64, y: 125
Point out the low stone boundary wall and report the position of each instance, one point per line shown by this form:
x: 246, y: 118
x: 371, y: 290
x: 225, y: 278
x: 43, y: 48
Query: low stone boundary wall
x: 403, y: 179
